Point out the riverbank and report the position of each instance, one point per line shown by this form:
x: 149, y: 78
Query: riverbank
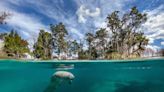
x: 125, y: 60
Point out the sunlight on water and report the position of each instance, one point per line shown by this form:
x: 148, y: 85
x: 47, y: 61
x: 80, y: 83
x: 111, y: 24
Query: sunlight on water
x: 139, y: 76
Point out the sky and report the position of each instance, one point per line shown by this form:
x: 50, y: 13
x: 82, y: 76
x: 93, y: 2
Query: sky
x: 79, y: 16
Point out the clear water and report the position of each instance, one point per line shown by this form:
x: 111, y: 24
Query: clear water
x: 146, y: 76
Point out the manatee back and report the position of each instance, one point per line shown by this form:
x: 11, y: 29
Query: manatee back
x: 64, y: 75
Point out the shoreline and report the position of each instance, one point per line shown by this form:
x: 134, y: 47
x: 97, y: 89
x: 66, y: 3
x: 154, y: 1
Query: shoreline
x: 105, y: 60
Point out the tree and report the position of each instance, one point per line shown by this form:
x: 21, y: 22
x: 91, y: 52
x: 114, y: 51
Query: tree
x: 125, y: 34
x: 42, y: 48
x: 3, y: 35
x: 101, y: 36
x: 74, y: 47
x: 15, y: 45
x: 161, y: 52
x: 3, y: 16
x: 114, y: 25
x: 140, y: 41
x: 59, y: 33
x: 82, y: 54
x: 90, y: 38
x: 133, y: 21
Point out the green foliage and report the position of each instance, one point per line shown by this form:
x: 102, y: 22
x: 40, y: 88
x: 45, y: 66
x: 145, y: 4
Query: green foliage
x: 73, y: 47
x: 15, y: 45
x: 3, y: 35
x: 42, y: 48
x: 125, y: 31
x: 59, y: 33
x: 101, y: 36
x: 89, y: 38
x: 118, y: 40
x: 3, y: 17
x: 83, y: 55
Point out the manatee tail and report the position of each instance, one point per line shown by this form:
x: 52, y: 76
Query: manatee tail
x: 55, y: 82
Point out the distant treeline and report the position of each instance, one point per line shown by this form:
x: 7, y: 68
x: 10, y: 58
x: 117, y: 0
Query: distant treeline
x: 120, y: 39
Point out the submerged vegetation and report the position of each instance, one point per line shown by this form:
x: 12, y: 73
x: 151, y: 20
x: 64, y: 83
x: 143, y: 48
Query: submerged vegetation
x: 122, y: 38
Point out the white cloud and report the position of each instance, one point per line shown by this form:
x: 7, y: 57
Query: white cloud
x: 154, y: 26
x: 98, y: 9
x: 76, y: 32
x: 153, y: 47
x: 28, y: 26
x: 162, y: 43
x: 83, y: 12
x: 92, y: 15
x: 25, y: 24
x: 89, y: 15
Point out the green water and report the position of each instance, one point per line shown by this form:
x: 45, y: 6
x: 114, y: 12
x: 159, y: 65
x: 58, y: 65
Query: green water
x: 146, y: 76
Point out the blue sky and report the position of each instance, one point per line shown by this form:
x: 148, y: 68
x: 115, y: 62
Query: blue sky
x: 79, y: 16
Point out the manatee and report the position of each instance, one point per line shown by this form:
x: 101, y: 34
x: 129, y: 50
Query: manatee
x: 57, y: 78
x: 64, y: 75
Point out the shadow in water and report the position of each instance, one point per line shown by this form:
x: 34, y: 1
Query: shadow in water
x: 135, y: 86
x: 57, y: 79
x: 54, y: 83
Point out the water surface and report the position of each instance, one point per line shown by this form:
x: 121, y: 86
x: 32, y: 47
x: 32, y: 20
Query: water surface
x: 91, y: 76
